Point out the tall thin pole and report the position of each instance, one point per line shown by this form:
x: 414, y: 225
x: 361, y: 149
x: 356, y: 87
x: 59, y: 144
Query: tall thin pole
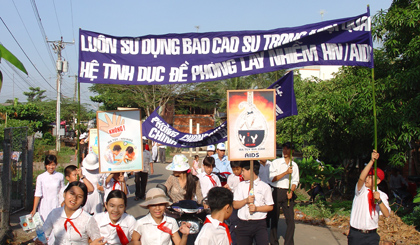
x: 57, y: 47
x: 78, y: 126
x: 374, y: 124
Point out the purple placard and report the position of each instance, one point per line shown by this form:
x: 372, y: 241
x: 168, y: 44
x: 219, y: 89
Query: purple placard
x: 203, y: 57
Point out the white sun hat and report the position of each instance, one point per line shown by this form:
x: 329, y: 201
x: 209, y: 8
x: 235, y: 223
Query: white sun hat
x: 211, y: 148
x: 90, y: 162
x: 179, y: 163
x: 221, y: 146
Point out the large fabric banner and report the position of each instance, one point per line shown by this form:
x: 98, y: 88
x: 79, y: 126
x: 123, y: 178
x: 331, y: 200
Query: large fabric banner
x: 285, y: 96
x: 156, y: 129
x: 203, y: 57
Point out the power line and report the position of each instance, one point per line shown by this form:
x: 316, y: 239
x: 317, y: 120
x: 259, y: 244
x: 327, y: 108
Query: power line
x: 27, y: 32
x: 41, y: 27
x: 25, y: 53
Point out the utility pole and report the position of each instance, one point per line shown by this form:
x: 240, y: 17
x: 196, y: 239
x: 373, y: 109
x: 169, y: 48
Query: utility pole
x: 61, y: 67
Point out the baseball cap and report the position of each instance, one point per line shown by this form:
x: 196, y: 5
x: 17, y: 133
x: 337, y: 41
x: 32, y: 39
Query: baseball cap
x: 221, y: 146
x: 211, y: 148
x: 379, y: 173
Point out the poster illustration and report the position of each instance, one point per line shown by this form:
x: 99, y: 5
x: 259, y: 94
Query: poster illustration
x: 119, y: 141
x: 251, y: 124
x: 93, y: 141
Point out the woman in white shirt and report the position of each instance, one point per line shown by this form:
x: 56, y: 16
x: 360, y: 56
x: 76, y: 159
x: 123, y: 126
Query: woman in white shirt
x: 115, y: 225
x: 70, y: 224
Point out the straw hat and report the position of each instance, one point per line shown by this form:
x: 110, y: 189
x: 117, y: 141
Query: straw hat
x: 155, y: 196
x: 90, y: 162
x: 179, y: 163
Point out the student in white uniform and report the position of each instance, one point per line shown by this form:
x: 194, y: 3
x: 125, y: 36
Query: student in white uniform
x: 208, y: 179
x: 253, y: 208
x: 70, y: 224
x: 156, y: 228
x: 368, y: 204
x: 115, y: 225
x: 48, y: 185
x: 71, y: 173
x: 90, y: 170
x: 214, y: 230
x: 115, y: 181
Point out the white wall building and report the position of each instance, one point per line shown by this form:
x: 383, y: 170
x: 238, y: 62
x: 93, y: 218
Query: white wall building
x: 321, y: 72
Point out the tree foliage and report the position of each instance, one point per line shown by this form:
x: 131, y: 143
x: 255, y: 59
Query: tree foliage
x: 35, y: 94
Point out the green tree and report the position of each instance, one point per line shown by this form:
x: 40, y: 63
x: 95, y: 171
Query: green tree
x: 35, y: 94
x: 398, y: 75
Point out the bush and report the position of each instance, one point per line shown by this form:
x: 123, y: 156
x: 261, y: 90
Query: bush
x: 313, y: 171
x: 322, y: 209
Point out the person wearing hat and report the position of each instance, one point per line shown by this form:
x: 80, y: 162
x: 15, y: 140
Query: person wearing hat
x: 368, y: 204
x: 182, y: 184
x: 83, y: 147
x: 156, y: 227
x: 90, y: 170
x: 210, y: 150
x: 222, y: 162
x: 279, y: 176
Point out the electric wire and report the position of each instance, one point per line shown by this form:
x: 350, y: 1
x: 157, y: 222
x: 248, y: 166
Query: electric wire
x: 25, y: 53
x: 32, y: 41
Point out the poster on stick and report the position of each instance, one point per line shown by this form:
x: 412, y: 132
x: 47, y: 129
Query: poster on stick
x: 251, y: 124
x: 93, y: 141
x: 119, y: 141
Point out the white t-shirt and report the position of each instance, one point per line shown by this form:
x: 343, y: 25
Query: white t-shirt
x: 206, y: 183
x: 110, y: 187
x: 263, y: 197
x: 360, y: 217
x: 126, y: 222
x: 212, y: 234
x: 84, y: 222
x: 280, y: 166
x: 233, y: 181
x: 151, y: 235
x: 94, y: 202
x: 48, y: 188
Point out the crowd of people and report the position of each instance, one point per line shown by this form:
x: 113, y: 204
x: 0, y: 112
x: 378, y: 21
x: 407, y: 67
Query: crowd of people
x: 91, y: 208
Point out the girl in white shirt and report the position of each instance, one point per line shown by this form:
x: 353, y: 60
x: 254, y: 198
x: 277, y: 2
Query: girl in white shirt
x: 156, y: 228
x: 48, y: 185
x: 70, y: 224
x: 115, y: 225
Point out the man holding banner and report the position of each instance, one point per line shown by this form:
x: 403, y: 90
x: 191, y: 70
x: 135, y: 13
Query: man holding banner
x: 280, y: 170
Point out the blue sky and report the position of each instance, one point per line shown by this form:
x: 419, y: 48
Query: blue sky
x: 138, y: 18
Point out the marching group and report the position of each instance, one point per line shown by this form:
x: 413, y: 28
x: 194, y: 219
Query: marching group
x: 239, y: 213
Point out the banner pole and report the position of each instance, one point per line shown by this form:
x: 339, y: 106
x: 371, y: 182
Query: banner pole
x: 251, y: 180
x: 291, y: 159
x: 78, y: 125
x: 374, y: 125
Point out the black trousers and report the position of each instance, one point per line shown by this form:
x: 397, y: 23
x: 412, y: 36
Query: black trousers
x: 251, y: 230
x: 280, y: 201
x: 356, y: 237
x: 141, y: 182
x: 162, y: 155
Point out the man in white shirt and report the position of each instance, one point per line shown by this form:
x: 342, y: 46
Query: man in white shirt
x: 280, y: 170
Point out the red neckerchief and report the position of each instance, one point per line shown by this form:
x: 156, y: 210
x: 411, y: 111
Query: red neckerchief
x: 371, y: 201
x: 225, y: 226
x: 164, y: 228
x: 115, y: 183
x: 211, y: 179
x: 68, y: 220
x: 121, y: 235
x: 241, y: 178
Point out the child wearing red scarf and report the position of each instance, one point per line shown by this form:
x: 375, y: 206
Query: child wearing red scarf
x: 368, y: 204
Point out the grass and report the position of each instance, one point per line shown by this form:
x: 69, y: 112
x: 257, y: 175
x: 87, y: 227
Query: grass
x: 322, y: 209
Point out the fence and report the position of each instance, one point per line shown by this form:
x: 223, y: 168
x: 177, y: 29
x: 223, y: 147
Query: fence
x: 16, y: 189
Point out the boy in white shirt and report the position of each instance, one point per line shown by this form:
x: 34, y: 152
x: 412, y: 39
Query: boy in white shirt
x: 72, y: 172
x: 208, y: 179
x: 214, y: 231
x: 253, y: 207
x: 367, y: 206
